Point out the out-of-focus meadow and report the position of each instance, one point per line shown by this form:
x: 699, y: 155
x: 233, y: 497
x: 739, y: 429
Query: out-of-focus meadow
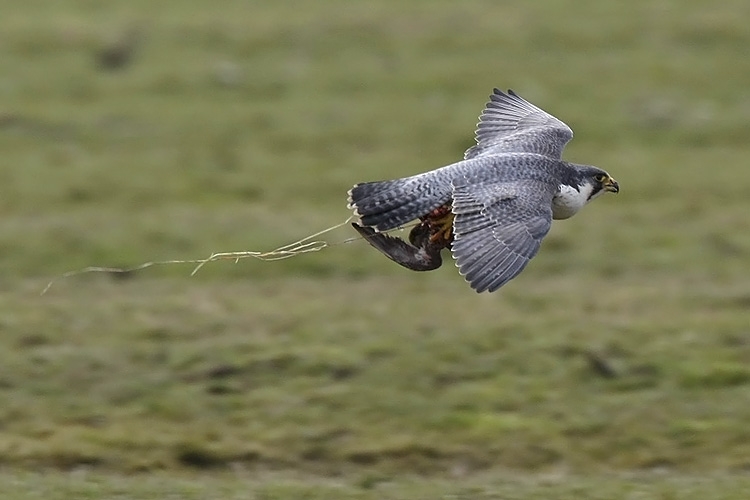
x: 616, y: 365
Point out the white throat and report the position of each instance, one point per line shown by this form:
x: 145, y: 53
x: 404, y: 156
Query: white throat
x: 569, y: 200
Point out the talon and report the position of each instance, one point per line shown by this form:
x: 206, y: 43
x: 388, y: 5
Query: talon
x: 444, y: 229
x: 440, y: 222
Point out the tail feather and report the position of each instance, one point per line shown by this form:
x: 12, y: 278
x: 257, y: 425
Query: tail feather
x: 385, y: 205
x: 373, y: 193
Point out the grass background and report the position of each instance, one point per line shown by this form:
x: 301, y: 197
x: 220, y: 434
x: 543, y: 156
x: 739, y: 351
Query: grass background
x: 616, y: 366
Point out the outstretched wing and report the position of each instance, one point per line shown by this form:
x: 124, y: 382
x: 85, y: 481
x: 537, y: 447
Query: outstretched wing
x: 498, y: 228
x: 511, y: 124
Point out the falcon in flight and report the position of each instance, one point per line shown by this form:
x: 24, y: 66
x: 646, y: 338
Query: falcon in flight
x: 491, y: 209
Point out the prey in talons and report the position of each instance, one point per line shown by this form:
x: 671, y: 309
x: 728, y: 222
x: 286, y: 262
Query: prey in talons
x: 426, y: 240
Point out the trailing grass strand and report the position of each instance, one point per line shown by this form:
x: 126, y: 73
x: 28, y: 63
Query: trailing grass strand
x: 305, y: 245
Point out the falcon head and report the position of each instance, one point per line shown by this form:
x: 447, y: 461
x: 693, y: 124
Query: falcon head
x: 583, y: 185
x: 600, y: 182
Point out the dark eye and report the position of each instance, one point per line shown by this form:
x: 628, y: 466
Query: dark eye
x: 600, y: 177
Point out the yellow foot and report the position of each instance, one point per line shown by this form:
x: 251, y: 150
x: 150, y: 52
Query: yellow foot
x: 441, y: 227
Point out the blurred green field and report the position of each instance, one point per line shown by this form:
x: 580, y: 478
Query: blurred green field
x: 616, y: 366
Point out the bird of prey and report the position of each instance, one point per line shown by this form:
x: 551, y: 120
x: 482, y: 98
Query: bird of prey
x: 492, y: 208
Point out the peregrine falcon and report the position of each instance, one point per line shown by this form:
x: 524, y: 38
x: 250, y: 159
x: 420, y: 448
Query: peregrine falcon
x: 491, y: 209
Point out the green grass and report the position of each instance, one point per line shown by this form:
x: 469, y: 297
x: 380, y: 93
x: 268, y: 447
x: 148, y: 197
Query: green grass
x: 359, y: 484
x: 617, y: 365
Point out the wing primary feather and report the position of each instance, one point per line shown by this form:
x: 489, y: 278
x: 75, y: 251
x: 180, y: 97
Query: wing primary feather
x: 509, y: 123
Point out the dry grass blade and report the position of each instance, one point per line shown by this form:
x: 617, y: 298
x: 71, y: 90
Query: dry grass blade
x: 305, y: 245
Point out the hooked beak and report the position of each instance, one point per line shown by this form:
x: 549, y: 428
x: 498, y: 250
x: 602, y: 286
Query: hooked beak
x: 611, y: 185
